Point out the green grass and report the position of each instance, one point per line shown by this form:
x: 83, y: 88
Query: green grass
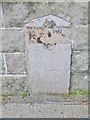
x: 82, y: 92
x: 22, y: 93
x: 77, y: 92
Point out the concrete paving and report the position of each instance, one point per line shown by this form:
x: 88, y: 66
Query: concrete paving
x: 50, y: 110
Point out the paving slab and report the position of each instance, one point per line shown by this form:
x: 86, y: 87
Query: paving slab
x: 44, y: 111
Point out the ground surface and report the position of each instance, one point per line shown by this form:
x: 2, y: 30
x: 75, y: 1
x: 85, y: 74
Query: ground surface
x: 50, y: 110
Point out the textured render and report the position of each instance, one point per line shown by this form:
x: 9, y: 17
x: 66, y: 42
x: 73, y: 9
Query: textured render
x: 49, y: 69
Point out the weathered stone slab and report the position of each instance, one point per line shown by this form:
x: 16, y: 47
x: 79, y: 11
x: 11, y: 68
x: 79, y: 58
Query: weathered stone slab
x: 49, y: 69
x: 0, y: 40
x: 80, y: 61
x: 15, y: 63
x: 0, y: 14
x: 14, y: 18
x: 13, y: 40
x: 80, y: 81
x: 80, y: 37
x: 2, y: 65
x: 78, y: 12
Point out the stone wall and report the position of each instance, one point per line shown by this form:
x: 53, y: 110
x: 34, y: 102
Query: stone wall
x: 15, y: 15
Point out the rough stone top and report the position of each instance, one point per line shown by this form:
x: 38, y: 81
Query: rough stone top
x: 46, y: 36
x: 40, y: 21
